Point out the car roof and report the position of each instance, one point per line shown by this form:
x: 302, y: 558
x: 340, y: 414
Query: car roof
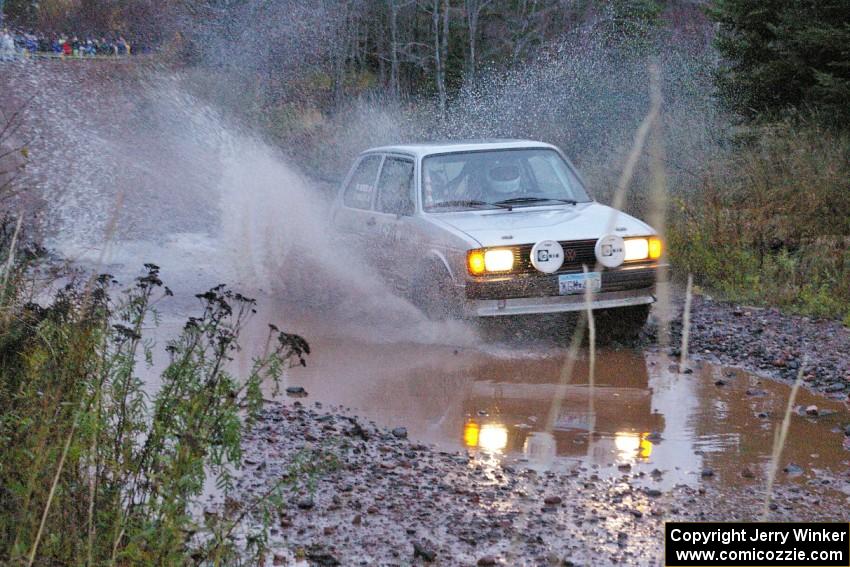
x: 429, y: 148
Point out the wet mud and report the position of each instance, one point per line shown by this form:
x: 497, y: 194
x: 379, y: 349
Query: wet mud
x: 453, y: 451
x: 772, y: 343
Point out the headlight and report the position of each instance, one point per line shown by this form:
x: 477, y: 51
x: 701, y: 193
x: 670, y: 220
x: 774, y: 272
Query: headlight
x: 500, y: 260
x: 643, y: 249
x: 494, y: 260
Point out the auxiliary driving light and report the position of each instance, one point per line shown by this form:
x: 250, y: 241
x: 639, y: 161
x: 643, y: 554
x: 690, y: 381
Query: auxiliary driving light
x: 655, y: 248
x: 496, y: 260
x: 643, y: 248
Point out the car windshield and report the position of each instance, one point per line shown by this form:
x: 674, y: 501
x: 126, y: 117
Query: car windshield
x: 498, y: 178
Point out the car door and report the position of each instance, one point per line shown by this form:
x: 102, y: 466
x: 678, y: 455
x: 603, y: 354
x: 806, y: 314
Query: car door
x: 394, y: 209
x: 354, y: 217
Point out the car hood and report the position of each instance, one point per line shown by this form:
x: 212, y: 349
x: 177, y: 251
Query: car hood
x: 527, y: 225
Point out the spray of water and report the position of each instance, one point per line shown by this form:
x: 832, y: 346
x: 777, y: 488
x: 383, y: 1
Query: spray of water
x: 142, y: 170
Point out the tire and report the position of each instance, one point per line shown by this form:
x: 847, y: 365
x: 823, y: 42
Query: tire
x: 435, y: 294
x: 622, y: 324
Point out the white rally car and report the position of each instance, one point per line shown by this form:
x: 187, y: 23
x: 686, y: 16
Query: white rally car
x: 495, y: 228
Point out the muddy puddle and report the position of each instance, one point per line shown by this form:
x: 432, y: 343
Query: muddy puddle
x: 641, y: 416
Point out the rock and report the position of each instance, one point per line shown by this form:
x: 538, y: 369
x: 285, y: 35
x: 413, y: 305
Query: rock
x: 653, y: 492
x: 720, y: 382
x: 305, y: 503
x: 552, y: 500
x: 322, y: 557
x: 812, y: 410
x: 486, y: 560
x: 707, y: 473
x: 624, y: 468
x: 296, y: 392
x: 424, y: 550
x: 793, y: 469
x: 400, y: 432
x: 357, y: 520
x: 835, y: 387
x: 747, y: 473
x: 847, y: 430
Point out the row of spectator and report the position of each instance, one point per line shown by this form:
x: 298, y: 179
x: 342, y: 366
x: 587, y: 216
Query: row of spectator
x: 12, y: 43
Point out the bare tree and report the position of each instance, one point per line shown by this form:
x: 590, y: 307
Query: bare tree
x: 473, y: 16
x: 395, y: 7
x: 13, y: 154
x: 441, y: 48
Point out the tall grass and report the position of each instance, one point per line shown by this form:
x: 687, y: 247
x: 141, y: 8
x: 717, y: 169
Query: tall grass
x: 95, y: 470
x: 770, y: 222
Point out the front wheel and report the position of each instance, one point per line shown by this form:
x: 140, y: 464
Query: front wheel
x: 621, y: 324
x: 436, y: 295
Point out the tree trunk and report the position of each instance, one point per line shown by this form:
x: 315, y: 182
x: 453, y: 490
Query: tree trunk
x: 394, y: 86
x: 443, y: 50
x: 473, y: 16
x: 438, y: 60
x: 473, y: 33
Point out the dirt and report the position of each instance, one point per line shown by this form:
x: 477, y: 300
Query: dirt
x: 394, y: 501
x: 451, y: 460
x: 771, y: 343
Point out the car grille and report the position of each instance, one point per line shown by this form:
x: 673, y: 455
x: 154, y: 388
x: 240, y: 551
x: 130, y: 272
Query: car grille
x: 637, y: 277
x: 576, y: 254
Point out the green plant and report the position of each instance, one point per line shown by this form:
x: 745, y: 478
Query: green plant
x: 94, y: 468
x: 769, y: 222
x: 784, y: 55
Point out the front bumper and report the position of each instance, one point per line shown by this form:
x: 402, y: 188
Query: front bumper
x: 623, y: 287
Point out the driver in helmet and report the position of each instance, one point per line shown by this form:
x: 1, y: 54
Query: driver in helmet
x: 502, y: 180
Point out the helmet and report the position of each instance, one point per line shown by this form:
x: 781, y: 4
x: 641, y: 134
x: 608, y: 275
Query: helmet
x: 503, y: 178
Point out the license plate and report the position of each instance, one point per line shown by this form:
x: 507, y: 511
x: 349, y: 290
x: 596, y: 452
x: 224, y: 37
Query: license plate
x: 578, y: 283
x: 582, y: 421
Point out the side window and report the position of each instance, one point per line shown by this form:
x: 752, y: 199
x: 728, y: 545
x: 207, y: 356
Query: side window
x: 360, y: 189
x: 395, y: 187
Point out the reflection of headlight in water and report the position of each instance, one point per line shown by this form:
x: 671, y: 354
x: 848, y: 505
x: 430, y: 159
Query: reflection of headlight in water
x: 627, y: 444
x: 493, y: 437
x: 645, y: 447
x: 470, y: 434
x: 632, y: 445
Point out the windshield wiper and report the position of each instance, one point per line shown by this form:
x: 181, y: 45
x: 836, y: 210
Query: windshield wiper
x: 518, y: 200
x: 469, y: 203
